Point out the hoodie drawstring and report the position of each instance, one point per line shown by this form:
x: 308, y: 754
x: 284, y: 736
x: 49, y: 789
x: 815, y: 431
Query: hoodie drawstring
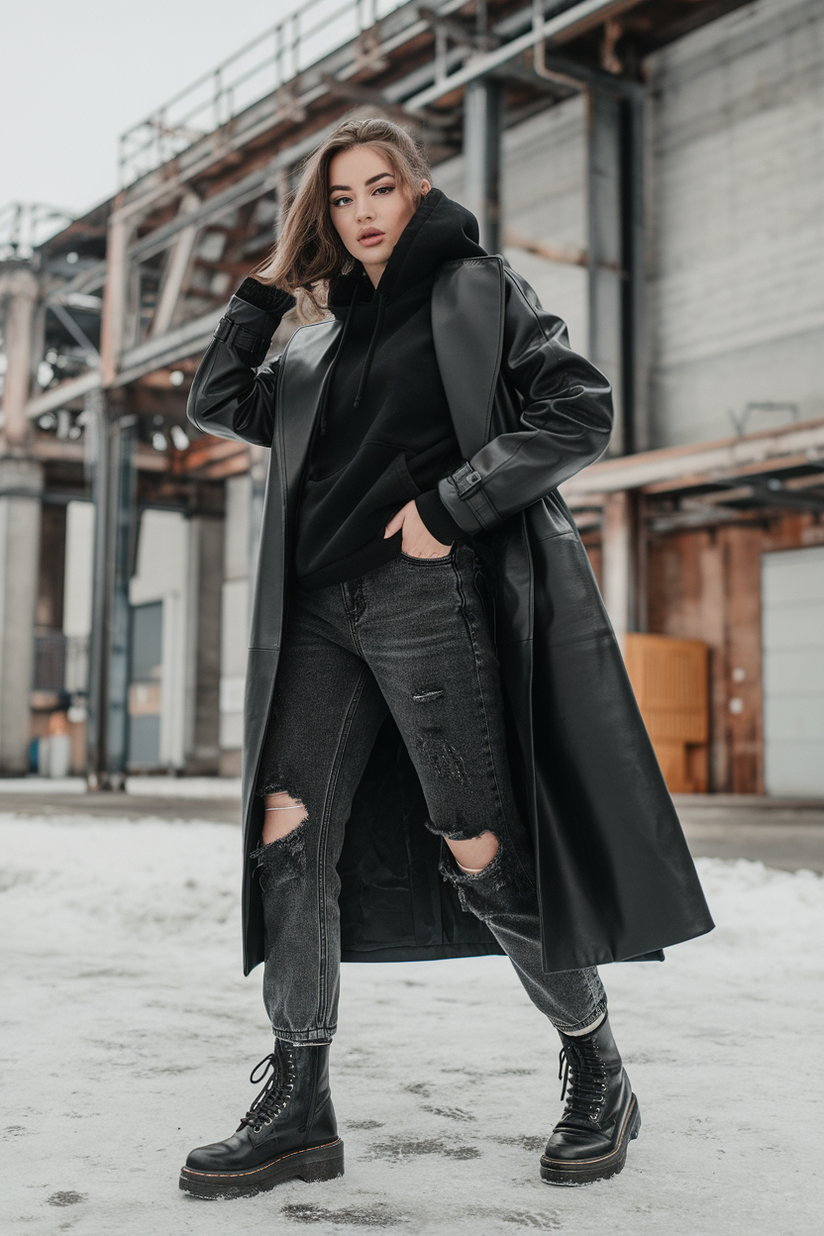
x: 347, y: 323
x: 373, y: 343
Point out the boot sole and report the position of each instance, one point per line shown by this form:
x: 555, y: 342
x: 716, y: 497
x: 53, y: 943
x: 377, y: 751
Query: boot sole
x: 584, y: 1171
x: 316, y: 1163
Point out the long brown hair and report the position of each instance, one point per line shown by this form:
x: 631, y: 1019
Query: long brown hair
x: 309, y: 252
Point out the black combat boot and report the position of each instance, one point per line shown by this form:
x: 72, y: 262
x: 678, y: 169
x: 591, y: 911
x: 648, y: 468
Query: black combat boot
x: 601, y: 1116
x: 289, y: 1131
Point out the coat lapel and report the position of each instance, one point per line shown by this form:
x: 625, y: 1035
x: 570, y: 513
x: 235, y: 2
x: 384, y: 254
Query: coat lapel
x: 306, y: 366
x: 468, y: 345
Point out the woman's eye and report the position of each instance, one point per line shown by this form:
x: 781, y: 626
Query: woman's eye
x: 384, y: 188
x: 340, y: 201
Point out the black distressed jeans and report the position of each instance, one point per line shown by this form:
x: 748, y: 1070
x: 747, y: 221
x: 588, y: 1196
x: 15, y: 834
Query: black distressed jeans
x: 410, y: 637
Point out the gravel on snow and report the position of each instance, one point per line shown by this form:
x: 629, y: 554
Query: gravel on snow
x: 129, y: 1032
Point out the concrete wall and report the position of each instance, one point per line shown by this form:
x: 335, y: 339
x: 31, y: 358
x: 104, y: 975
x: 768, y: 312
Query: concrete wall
x: 735, y: 193
x: 543, y: 194
x: 736, y: 185
x: 162, y: 575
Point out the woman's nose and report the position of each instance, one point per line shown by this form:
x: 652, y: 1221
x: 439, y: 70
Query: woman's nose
x: 365, y: 210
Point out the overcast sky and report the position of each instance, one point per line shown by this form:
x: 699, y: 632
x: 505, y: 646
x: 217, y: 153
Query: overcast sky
x: 75, y: 73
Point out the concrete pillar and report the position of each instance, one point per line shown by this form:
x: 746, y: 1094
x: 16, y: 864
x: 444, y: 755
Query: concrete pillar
x: 617, y: 562
x: 21, y: 484
x: 205, y: 557
x: 113, y: 488
x: 483, y: 127
x: 20, y: 291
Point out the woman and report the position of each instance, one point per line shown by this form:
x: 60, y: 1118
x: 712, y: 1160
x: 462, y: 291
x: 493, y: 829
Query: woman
x: 432, y: 684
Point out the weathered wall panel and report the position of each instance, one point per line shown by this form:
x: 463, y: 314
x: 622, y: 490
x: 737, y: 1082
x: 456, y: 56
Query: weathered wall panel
x: 705, y: 585
x: 737, y: 198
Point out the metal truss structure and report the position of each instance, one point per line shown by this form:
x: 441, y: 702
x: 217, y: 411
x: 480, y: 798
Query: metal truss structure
x: 111, y: 314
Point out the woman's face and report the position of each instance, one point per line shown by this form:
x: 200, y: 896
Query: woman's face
x: 369, y: 206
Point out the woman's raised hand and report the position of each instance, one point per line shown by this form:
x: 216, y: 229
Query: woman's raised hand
x: 417, y: 541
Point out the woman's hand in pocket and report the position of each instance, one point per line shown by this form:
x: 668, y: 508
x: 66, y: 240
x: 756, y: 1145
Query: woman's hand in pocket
x: 417, y: 541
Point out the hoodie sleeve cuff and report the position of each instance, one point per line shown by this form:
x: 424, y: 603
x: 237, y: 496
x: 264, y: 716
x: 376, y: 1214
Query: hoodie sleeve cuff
x: 439, y: 523
x: 263, y: 296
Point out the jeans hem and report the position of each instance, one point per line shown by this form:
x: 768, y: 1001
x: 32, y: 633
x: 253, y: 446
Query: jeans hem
x: 322, y: 1035
x: 590, y: 1019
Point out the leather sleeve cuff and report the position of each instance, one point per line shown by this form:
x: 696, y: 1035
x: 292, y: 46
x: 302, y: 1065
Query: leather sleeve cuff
x: 247, y: 329
x: 263, y: 296
x: 463, y: 497
x: 439, y: 523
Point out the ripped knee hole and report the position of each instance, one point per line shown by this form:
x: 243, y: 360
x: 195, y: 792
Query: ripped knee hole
x: 474, y: 854
x: 282, y: 815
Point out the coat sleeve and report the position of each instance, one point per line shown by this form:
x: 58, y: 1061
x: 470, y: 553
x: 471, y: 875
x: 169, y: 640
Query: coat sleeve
x: 565, y: 419
x: 230, y: 397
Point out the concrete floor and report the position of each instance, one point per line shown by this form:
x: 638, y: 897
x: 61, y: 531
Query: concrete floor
x: 783, y: 833
x: 106, y: 804
x: 787, y: 834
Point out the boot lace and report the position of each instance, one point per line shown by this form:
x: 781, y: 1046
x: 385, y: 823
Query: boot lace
x: 277, y: 1072
x: 583, y: 1075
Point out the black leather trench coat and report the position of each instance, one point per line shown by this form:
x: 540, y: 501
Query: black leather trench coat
x: 615, y: 876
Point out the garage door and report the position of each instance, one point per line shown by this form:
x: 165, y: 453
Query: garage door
x: 792, y: 590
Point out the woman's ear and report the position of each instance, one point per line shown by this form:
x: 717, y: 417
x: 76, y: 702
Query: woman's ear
x: 425, y: 187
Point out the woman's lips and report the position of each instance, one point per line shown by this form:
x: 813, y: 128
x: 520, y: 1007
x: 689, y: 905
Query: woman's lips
x: 374, y: 238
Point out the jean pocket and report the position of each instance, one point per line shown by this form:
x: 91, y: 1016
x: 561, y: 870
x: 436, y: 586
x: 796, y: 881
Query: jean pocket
x: 430, y: 561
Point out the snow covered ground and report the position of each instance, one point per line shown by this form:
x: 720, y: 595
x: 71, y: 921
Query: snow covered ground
x: 128, y: 1033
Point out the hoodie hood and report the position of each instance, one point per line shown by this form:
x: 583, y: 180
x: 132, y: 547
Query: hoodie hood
x: 439, y: 231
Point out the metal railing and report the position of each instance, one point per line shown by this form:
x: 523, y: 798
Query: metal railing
x: 275, y: 57
x: 25, y: 225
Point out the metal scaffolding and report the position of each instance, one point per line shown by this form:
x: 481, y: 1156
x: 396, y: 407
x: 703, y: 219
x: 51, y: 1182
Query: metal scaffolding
x: 126, y: 299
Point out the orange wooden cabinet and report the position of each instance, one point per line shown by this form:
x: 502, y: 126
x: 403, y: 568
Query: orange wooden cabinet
x: 670, y: 679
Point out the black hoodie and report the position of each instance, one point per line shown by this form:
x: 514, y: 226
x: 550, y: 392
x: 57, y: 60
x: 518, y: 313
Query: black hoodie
x: 384, y: 435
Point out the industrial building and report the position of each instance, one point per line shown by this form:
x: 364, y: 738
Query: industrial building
x: 655, y: 168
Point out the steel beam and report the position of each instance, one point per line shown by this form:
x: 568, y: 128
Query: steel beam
x: 176, y: 268
x: 202, y: 711
x: 562, y: 24
x: 617, y: 343
x: 113, y: 492
x: 677, y: 466
x: 113, y: 322
x: 77, y: 333
x: 59, y: 396
x: 483, y: 127
x: 185, y: 340
x: 606, y: 271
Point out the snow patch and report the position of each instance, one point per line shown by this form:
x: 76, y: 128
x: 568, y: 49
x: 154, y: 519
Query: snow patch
x: 130, y: 1032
